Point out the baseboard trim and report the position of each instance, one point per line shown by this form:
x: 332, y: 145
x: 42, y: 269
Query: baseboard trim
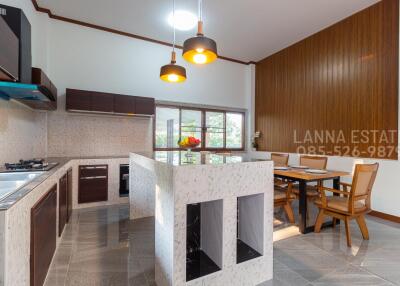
x: 385, y: 216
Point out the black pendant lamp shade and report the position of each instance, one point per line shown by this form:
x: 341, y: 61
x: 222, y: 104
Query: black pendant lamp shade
x: 200, y: 49
x: 173, y: 72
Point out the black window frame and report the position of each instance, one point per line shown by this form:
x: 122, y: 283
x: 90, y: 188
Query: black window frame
x: 203, y: 111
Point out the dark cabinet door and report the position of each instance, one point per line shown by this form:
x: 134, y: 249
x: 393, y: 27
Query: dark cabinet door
x: 124, y: 104
x: 43, y: 236
x: 78, y: 99
x: 93, y: 184
x: 69, y: 194
x: 145, y: 106
x: 103, y: 102
x: 62, y: 204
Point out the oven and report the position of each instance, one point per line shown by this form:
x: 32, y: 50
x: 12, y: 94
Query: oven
x: 124, y: 180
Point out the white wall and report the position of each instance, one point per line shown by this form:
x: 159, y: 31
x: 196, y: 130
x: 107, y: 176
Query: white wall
x: 85, y: 58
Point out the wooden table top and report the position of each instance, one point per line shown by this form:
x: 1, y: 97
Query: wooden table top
x: 301, y: 174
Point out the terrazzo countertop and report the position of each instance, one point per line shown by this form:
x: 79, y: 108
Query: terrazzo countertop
x: 182, y: 158
x: 13, y: 198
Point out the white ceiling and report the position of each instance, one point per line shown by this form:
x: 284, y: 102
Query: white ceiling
x: 247, y: 30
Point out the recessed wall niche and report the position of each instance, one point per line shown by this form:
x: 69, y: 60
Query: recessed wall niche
x: 203, y: 239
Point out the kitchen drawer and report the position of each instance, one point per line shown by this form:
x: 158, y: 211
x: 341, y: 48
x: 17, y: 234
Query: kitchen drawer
x: 93, y: 189
x: 93, y: 170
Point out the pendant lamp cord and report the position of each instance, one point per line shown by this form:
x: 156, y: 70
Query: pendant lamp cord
x: 200, y: 7
x: 173, y: 17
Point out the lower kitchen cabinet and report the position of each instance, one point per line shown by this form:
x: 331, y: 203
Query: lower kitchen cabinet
x: 93, y: 184
x: 43, y: 236
x: 62, y: 204
x: 69, y: 194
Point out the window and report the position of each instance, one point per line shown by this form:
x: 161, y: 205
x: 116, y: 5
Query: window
x: 167, y: 128
x: 217, y: 129
x: 234, y: 130
x: 191, y: 123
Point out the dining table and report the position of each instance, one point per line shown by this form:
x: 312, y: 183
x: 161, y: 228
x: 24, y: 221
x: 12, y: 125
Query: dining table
x: 303, y: 176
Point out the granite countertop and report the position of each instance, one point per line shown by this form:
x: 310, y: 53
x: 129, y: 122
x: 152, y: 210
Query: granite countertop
x: 14, y: 197
x: 183, y: 158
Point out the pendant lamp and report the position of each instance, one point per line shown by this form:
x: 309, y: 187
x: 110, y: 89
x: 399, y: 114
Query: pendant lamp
x: 173, y: 72
x: 200, y: 49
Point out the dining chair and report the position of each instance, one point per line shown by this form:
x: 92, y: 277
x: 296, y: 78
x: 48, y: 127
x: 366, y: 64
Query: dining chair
x: 312, y: 162
x: 353, y: 202
x: 280, y: 159
x: 283, y: 197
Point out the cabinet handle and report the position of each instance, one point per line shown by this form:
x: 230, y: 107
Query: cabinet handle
x: 94, y: 167
x: 94, y: 177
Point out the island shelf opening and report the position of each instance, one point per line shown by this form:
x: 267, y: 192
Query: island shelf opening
x: 250, y: 227
x: 204, y: 239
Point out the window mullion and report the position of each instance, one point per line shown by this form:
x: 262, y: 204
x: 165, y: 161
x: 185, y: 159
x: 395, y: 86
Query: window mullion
x: 180, y: 123
x: 224, y: 131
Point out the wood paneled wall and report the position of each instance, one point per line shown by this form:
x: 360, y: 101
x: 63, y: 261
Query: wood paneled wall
x: 335, y: 92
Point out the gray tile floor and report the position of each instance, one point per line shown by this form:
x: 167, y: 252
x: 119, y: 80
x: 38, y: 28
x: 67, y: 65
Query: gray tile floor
x: 101, y: 247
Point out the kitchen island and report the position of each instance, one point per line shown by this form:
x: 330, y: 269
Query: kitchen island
x: 213, y: 216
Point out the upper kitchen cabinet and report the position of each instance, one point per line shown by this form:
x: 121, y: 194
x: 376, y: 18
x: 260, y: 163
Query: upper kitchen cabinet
x: 145, y: 106
x: 78, y: 100
x: 124, y: 104
x: 116, y: 104
x: 102, y: 102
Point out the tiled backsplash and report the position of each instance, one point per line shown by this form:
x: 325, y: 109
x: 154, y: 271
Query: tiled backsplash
x: 23, y: 132
x: 97, y: 135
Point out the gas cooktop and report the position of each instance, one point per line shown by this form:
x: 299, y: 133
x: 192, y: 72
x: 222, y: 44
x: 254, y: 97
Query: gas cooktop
x: 28, y: 165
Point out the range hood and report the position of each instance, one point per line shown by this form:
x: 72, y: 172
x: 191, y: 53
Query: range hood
x: 40, y: 94
x: 18, y: 80
x: 18, y: 91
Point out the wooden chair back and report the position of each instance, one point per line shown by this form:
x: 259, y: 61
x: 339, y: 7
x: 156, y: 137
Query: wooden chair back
x: 314, y: 162
x: 280, y: 159
x: 363, y: 181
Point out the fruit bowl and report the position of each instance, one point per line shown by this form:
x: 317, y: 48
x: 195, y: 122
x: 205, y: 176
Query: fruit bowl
x: 189, y: 142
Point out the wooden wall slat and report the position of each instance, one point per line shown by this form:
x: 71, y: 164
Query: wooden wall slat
x: 343, y: 78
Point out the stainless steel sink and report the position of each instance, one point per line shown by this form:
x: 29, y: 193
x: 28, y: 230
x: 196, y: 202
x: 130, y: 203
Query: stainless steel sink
x: 19, y: 176
x: 11, y: 182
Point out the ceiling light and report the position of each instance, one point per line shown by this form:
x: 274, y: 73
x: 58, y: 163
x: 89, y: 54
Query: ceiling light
x: 184, y: 20
x: 173, y: 72
x: 200, y: 49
